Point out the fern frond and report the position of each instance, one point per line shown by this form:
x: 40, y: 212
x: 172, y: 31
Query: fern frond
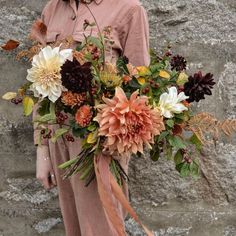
x: 227, y: 126
x: 204, y: 124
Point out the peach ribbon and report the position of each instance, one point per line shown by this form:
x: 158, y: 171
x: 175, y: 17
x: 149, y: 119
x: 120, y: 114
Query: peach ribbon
x: 110, y: 193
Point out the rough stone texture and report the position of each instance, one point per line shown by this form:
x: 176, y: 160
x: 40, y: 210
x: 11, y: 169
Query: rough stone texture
x: 205, y: 33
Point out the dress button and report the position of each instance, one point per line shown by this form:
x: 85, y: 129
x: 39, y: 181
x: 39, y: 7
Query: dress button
x: 73, y: 17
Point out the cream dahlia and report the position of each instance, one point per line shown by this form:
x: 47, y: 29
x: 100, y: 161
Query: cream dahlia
x: 172, y: 102
x: 128, y: 124
x: 45, y: 72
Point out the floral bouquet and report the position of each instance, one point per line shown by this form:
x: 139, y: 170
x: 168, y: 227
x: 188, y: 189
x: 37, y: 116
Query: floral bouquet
x: 118, y: 110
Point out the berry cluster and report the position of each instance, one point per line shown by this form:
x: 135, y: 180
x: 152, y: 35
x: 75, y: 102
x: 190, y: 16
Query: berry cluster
x: 94, y: 90
x: 154, y: 84
x: 145, y: 90
x: 95, y: 53
x: 61, y: 118
x: 168, y: 53
x: 47, y: 133
x: 69, y: 138
x: 16, y: 101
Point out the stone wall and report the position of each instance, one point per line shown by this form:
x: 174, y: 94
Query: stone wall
x: 202, y: 31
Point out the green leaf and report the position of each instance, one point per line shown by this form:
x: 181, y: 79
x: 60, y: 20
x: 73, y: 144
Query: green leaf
x: 162, y: 136
x: 183, y: 169
x: 28, y: 104
x: 58, y: 133
x: 121, y: 65
x: 44, y: 107
x: 48, y: 117
x: 44, y: 119
x: 155, y: 68
x: 176, y: 141
x: 96, y: 41
x: 79, y: 132
x: 134, y: 83
x: 155, y: 154
x: 195, y: 140
x: 92, y: 127
x: 170, y: 123
x: 178, y: 158
x: 194, y: 168
x: 168, y: 152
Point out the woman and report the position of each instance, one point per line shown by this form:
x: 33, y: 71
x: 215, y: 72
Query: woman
x: 81, y: 207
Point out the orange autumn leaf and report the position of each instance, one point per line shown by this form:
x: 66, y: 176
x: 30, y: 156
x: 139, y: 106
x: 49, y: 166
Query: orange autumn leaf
x: 10, y: 45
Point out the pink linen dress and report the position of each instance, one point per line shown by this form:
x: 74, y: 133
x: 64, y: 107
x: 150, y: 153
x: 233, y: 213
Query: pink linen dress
x: 82, y: 211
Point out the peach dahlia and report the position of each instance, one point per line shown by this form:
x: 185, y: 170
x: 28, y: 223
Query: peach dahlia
x: 128, y: 124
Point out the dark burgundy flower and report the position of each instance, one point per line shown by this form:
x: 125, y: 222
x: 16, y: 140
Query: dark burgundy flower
x: 76, y: 78
x: 178, y: 63
x: 198, y: 86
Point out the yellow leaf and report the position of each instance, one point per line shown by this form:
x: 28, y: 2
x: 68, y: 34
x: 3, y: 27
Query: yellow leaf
x: 92, y: 137
x: 143, y: 70
x: 9, y: 96
x: 28, y: 104
x: 164, y: 74
x: 182, y: 79
x: 141, y: 80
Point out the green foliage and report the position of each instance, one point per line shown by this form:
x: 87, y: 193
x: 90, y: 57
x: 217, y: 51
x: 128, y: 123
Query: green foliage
x: 170, y: 123
x: 44, y: 107
x: 188, y: 169
x: 155, y: 153
x: 194, y: 140
x: 121, y: 66
x: 176, y: 142
x: 47, y: 118
x: 58, y: 133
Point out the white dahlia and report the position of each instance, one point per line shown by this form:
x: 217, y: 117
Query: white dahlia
x: 170, y: 103
x: 45, y: 72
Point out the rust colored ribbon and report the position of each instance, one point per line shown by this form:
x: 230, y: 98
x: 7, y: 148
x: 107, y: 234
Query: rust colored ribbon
x: 110, y: 193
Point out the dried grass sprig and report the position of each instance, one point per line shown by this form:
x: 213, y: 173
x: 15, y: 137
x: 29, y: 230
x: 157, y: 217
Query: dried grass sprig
x: 35, y: 49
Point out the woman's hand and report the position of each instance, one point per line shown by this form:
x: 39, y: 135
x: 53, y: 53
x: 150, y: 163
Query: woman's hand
x: 44, y: 170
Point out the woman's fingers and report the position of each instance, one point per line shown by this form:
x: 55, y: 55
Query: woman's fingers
x: 53, y: 178
x: 45, y: 182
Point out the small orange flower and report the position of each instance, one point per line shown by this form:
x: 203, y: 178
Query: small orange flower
x: 73, y: 99
x: 126, y: 79
x: 84, y: 115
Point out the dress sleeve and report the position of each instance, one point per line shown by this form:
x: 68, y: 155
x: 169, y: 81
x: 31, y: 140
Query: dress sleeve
x: 135, y: 36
